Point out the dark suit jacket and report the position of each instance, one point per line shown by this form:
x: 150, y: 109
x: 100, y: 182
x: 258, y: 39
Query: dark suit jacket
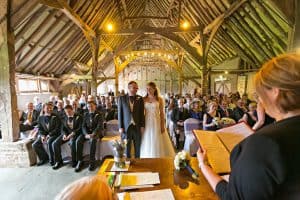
x: 94, y: 126
x: 238, y: 113
x: 177, y: 116
x: 77, y: 125
x: 35, y: 116
x: 223, y: 113
x: 54, y: 125
x: 110, y: 114
x: 124, y: 113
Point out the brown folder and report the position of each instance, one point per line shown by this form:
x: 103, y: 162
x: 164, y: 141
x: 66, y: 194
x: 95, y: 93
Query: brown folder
x: 220, y: 144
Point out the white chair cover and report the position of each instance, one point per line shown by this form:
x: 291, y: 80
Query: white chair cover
x: 191, y: 144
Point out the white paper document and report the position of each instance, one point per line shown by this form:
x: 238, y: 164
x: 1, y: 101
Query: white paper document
x: 137, y: 179
x: 165, y: 194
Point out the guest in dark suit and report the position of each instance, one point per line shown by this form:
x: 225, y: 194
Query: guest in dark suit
x: 178, y: 116
x: 92, y: 128
x: 131, y: 118
x: 60, y: 109
x: 239, y: 110
x: 224, y: 110
x: 77, y: 109
x: 266, y: 164
x: 29, y: 118
x: 110, y: 113
x: 49, y: 126
x: 71, y: 130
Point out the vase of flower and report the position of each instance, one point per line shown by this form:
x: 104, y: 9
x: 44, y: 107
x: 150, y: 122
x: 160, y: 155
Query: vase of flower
x: 119, y: 153
x: 182, y: 161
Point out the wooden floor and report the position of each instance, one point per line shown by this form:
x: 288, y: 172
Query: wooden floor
x: 36, y: 183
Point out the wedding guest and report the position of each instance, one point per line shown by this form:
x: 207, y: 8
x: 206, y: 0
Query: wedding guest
x: 179, y: 115
x: 208, y: 117
x: 92, y: 128
x: 29, y: 118
x: 239, y: 110
x: 250, y: 117
x: 224, y: 110
x: 49, y: 125
x: 71, y: 131
x: 196, y: 110
x: 266, y: 164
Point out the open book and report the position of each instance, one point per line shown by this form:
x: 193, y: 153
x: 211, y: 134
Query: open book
x: 219, y: 144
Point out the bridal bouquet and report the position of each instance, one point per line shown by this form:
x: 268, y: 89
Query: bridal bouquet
x: 182, y: 160
x: 119, y: 151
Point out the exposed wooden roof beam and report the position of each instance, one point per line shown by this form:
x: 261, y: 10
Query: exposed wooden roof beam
x: 213, y: 27
x: 146, y: 17
x: 22, y: 12
x: 148, y: 29
x: 71, y: 14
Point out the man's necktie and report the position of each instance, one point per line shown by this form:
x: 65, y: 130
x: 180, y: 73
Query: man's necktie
x: 29, y: 117
x: 70, y: 119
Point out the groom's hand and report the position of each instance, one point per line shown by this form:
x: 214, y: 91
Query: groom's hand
x: 142, y: 130
x: 121, y: 130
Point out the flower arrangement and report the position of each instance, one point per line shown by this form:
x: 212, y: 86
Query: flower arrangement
x: 223, y: 122
x: 119, y: 152
x: 182, y: 160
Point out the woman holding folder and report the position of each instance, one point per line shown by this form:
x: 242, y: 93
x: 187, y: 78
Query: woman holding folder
x: 266, y: 165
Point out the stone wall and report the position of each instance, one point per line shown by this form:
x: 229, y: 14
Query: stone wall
x: 16, y: 154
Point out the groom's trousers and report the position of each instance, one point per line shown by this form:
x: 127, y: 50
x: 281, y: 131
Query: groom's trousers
x: 134, y: 135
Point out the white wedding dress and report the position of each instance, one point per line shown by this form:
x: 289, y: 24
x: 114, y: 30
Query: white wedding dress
x: 155, y: 144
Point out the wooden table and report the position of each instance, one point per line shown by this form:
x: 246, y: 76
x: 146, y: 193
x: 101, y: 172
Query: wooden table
x: 180, y: 182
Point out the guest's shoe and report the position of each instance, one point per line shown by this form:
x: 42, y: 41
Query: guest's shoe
x: 42, y: 162
x: 74, y: 164
x: 57, y: 165
x: 92, y: 167
x: 51, y: 163
x: 78, y: 166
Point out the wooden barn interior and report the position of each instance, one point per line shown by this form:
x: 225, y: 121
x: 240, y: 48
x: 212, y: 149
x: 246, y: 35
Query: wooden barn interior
x: 60, y: 47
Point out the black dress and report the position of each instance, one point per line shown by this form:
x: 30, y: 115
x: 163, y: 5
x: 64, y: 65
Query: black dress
x: 209, y: 120
x: 266, y: 165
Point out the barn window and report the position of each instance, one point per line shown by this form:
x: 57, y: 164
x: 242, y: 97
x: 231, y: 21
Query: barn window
x: 27, y: 85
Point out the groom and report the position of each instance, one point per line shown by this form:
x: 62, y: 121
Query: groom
x: 131, y: 118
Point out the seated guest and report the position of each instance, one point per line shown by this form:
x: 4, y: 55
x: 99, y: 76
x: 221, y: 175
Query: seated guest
x: 266, y: 164
x: 250, y: 117
x: 92, y: 129
x: 49, y: 126
x: 91, y: 187
x: 263, y: 119
x: 188, y: 103
x: 178, y: 116
x: 112, y: 99
x: 246, y: 100
x: 110, y: 113
x: 59, y: 110
x: 208, y: 117
x: 239, y: 110
x: 71, y: 131
x: 37, y: 104
x: 224, y: 110
x: 196, y: 111
x: 76, y: 109
x: 29, y: 119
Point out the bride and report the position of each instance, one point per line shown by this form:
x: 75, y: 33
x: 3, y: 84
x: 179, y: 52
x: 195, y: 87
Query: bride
x: 155, y: 140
